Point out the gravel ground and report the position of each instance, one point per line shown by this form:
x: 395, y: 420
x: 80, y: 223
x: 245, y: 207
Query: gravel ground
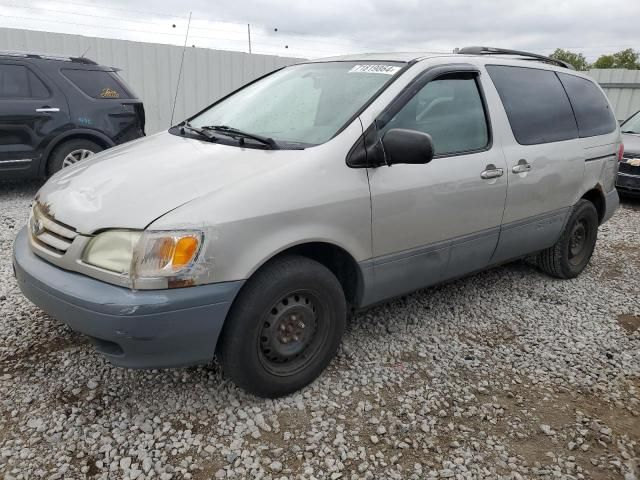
x: 506, y: 374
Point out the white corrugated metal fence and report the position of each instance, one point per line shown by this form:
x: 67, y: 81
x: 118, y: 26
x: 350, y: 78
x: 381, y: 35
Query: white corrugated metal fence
x: 622, y: 87
x: 152, y: 69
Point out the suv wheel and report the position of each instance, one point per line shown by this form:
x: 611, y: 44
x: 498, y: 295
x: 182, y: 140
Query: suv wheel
x: 284, y: 328
x: 572, y: 252
x: 71, y: 152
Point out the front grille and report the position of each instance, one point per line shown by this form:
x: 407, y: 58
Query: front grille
x: 51, y: 235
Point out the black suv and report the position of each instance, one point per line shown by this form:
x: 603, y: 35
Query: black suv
x: 56, y: 111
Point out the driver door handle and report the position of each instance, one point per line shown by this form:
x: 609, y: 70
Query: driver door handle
x: 491, y: 172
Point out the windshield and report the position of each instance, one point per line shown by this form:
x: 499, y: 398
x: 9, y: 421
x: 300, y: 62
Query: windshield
x: 632, y: 125
x: 301, y: 104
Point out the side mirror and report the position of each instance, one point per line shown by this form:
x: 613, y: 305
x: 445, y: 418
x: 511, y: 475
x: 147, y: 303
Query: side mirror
x: 407, y: 146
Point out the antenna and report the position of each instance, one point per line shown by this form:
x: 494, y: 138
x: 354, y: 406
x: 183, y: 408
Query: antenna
x: 184, y: 48
x: 86, y: 51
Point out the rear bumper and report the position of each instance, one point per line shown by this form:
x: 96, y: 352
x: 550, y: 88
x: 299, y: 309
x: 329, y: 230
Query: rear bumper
x: 136, y: 329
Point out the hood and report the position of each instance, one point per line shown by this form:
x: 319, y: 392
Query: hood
x: 132, y: 185
x: 631, y: 143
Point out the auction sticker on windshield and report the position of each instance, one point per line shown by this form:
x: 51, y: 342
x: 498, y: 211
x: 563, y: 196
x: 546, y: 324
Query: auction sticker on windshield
x: 373, y: 68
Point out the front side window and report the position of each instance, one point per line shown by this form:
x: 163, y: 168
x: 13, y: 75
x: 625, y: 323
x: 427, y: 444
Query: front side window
x: 593, y: 114
x: 303, y: 104
x: 536, y: 104
x: 17, y: 81
x: 451, y: 111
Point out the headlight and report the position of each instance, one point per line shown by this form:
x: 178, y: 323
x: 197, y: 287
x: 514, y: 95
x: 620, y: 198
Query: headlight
x: 148, y: 254
x: 112, y: 250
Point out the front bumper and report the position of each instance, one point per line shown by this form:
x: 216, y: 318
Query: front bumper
x: 628, y: 183
x: 136, y: 329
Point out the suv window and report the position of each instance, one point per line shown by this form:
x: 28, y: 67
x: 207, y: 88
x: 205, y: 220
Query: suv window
x: 17, y: 81
x: 536, y: 104
x: 590, y: 106
x: 450, y: 109
x: 98, y: 83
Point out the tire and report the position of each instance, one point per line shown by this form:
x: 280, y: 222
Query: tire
x: 572, y: 252
x: 266, y: 346
x: 61, y: 152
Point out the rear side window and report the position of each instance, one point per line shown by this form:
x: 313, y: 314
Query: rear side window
x: 98, y: 83
x: 536, y: 104
x: 592, y: 110
x: 17, y: 81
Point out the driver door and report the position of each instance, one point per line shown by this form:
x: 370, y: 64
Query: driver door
x: 438, y: 220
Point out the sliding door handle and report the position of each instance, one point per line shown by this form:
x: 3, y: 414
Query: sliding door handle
x: 47, y: 110
x: 522, y: 167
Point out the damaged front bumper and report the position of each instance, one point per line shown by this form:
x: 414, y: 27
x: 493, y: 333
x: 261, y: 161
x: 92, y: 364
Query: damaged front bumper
x: 135, y: 329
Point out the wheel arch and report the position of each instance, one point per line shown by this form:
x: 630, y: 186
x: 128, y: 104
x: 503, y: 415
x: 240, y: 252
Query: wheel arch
x: 75, y: 134
x: 597, y: 197
x: 338, y: 260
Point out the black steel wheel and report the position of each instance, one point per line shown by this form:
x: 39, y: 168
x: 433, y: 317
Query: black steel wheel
x: 579, y: 242
x: 572, y: 252
x: 284, y: 328
x: 293, y: 332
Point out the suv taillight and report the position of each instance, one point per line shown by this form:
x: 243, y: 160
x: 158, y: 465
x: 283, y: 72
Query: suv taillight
x: 620, y: 152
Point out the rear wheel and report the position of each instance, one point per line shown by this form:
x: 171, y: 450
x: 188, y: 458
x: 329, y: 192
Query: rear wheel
x: 572, y: 252
x: 70, y: 153
x: 284, y: 328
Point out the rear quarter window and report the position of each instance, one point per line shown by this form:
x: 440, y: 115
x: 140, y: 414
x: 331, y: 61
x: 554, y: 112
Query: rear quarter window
x: 98, y: 83
x: 536, y: 104
x: 593, y: 114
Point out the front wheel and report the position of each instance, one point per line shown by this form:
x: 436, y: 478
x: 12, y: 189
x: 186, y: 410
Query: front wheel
x: 284, y: 328
x: 572, y: 252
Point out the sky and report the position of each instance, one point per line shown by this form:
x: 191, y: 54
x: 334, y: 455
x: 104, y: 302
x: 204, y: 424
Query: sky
x: 321, y: 28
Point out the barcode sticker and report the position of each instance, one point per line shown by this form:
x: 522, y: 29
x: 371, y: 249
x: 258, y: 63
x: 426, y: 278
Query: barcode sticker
x: 375, y: 68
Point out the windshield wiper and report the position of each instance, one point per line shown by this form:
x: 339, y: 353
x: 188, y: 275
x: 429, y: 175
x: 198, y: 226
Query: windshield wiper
x: 630, y: 131
x: 234, y: 132
x: 200, y: 131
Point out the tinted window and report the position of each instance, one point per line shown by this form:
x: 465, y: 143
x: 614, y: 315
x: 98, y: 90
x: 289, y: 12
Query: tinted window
x: 98, y: 83
x: 592, y: 110
x: 536, y: 104
x: 449, y: 109
x: 17, y: 81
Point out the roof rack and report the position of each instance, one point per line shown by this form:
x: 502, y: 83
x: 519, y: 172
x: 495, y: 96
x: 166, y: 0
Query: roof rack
x: 504, y: 51
x: 83, y: 60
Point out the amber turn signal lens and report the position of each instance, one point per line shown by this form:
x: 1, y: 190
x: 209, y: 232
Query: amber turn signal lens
x: 185, y: 250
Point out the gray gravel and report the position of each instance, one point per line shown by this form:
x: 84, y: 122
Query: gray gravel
x: 506, y: 374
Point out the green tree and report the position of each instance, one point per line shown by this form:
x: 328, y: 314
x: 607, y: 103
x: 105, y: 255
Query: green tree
x: 578, y: 60
x: 628, y: 58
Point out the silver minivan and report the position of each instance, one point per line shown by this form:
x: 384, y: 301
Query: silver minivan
x: 255, y: 228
